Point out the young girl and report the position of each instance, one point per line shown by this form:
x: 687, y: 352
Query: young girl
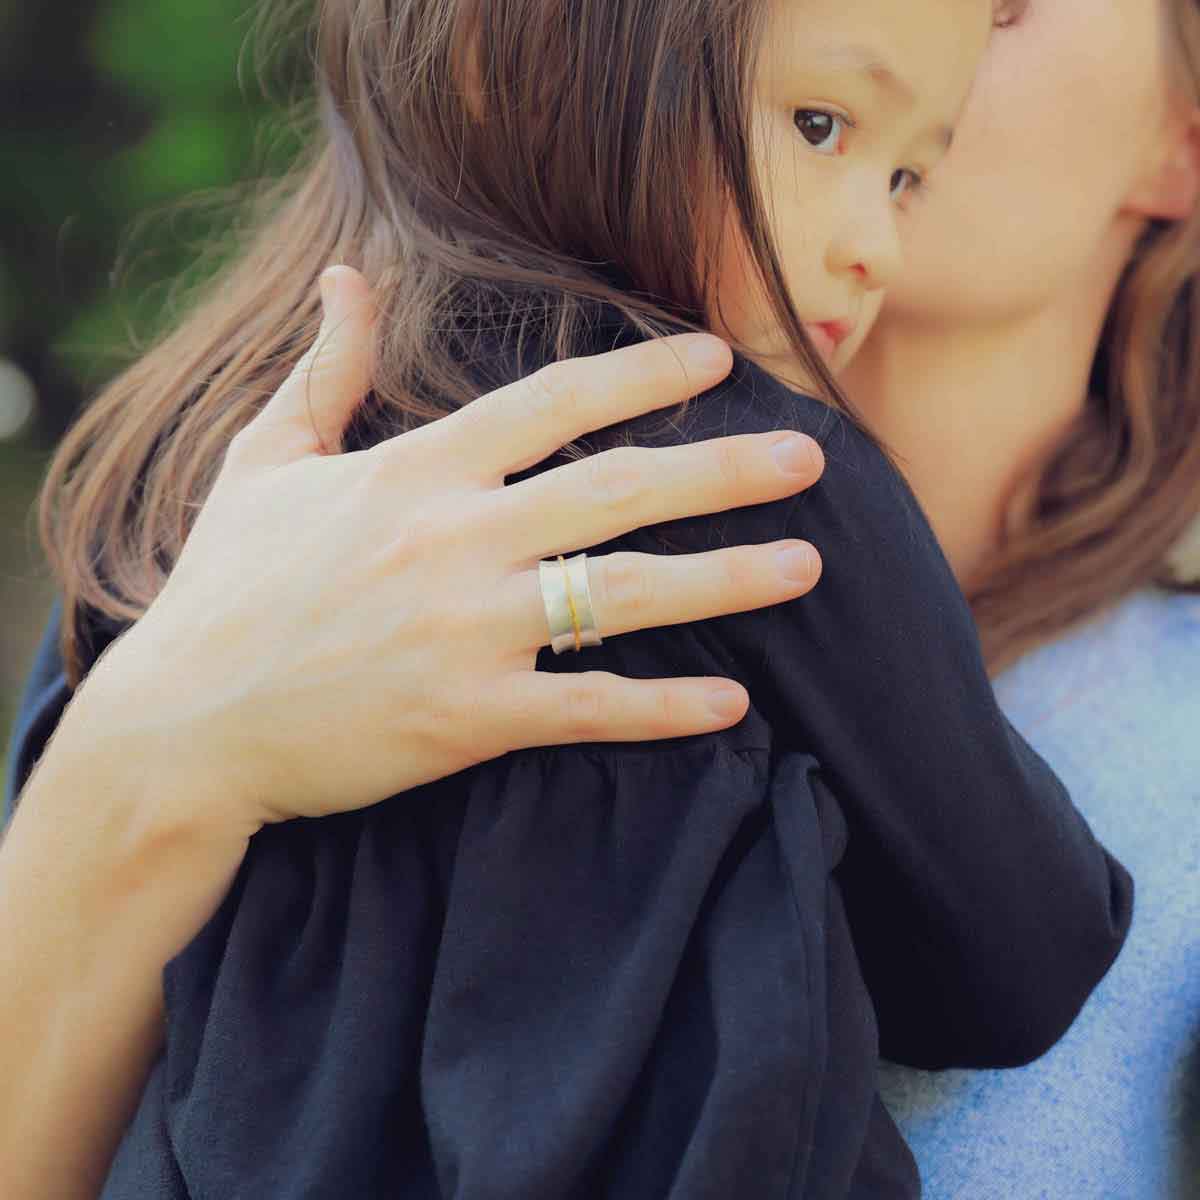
x: 650, y: 969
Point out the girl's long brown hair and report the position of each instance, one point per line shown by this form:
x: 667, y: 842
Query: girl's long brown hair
x: 481, y: 162
x: 525, y: 161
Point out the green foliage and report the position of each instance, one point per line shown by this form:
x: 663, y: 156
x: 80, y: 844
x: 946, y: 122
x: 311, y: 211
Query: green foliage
x: 154, y: 103
x: 177, y: 52
x: 122, y: 115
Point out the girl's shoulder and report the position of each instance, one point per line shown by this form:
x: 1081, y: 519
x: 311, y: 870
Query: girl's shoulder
x: 861, y: 511
x: 748, y: 400
x: 860, y: 502
x: 752, y: 400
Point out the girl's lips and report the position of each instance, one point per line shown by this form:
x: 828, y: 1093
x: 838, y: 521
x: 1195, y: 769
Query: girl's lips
x: 828, y: 335
x: 839, y: 331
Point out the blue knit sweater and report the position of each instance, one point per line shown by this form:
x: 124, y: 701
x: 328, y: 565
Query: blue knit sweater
x: 1112, y: 1112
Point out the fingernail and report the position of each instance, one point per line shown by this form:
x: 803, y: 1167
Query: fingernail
x: 727, y: 702
x: 707, y: 352
x: 796, y: 563
x: 794, y: 455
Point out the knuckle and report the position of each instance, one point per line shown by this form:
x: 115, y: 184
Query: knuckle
x: 626, y: 585
x: 667, y: 713
x: 458, y: 725
x: 416, y: 541
x: 320, y: 356
x: 443, y: 714
x: 480, y: 743
x: 618, y: 477
x: 478, y: 728
x: 730, y: 466
x: 512, y: 712
x: 584, y: 709
x: 379, y: 469
x: 551, y: 391
x: 742, y: 566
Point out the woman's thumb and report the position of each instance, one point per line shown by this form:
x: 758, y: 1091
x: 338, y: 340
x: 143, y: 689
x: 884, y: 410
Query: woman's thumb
x: 312, y: 408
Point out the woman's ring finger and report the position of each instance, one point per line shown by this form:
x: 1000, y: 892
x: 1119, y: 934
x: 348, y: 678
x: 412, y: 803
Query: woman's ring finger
x: 631, y: 590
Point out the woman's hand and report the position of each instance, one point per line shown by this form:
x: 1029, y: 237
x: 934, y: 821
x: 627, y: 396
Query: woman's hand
x: 343, y: 626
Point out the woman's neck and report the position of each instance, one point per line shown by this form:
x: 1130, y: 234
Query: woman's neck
x: 965, y: 408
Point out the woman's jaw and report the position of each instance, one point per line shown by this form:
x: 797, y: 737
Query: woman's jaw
x: 965, y: 406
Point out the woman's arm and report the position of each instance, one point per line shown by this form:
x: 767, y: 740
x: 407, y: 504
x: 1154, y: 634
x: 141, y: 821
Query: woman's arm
x: 222, y: 709
x: 106, y: 872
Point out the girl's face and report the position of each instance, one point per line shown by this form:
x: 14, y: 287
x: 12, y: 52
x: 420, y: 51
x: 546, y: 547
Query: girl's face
x: 1068, y: 119
x: 855, y: 102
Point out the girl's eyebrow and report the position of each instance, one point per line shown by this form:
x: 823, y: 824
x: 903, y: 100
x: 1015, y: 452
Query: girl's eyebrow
x: 863, y: 59
x: 867, y: 61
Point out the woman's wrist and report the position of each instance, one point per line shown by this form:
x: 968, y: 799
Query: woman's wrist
x: 139, y: 857
x: 128, y: 732
x: 104, y: 877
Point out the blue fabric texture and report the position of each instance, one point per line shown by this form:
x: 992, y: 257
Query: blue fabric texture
x: 1112, y: 1112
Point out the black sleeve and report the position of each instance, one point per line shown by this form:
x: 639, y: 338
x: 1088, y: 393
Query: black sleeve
x: 983, y: 909
x: 44, y: 696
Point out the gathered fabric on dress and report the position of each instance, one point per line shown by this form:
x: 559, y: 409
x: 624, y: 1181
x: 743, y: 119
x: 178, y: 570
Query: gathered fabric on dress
x: 358, y: 1017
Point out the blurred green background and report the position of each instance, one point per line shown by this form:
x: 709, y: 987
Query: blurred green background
x: 117, y: 111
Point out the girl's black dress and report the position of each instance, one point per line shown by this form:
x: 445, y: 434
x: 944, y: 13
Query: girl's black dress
x: 660, y: 969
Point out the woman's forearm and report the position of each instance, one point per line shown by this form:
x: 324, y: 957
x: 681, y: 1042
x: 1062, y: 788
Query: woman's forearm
x: 103, y: 878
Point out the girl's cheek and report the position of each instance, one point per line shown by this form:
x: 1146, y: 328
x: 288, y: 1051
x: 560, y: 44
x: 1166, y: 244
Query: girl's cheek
x: 741, y: 308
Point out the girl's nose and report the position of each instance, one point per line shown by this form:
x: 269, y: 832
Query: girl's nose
x: 867, y: 248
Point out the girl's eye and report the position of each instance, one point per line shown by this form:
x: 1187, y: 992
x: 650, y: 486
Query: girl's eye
x: 904, y: 181
x: 821, y: 130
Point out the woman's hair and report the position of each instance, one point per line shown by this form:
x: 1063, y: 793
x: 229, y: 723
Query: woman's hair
x: 520, y: 165
x: 486, y: 164
x: 1113, y: 498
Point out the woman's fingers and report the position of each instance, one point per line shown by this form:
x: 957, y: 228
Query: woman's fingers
x: 545, y: 709
x: 607, y: 494
x: 643, y: 591
x: 524, y: 422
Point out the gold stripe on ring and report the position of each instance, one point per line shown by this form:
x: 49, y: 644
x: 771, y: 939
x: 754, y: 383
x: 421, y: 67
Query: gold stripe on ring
x: 577, y: 569
x: 570, y: 602
x: 557, y: 614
